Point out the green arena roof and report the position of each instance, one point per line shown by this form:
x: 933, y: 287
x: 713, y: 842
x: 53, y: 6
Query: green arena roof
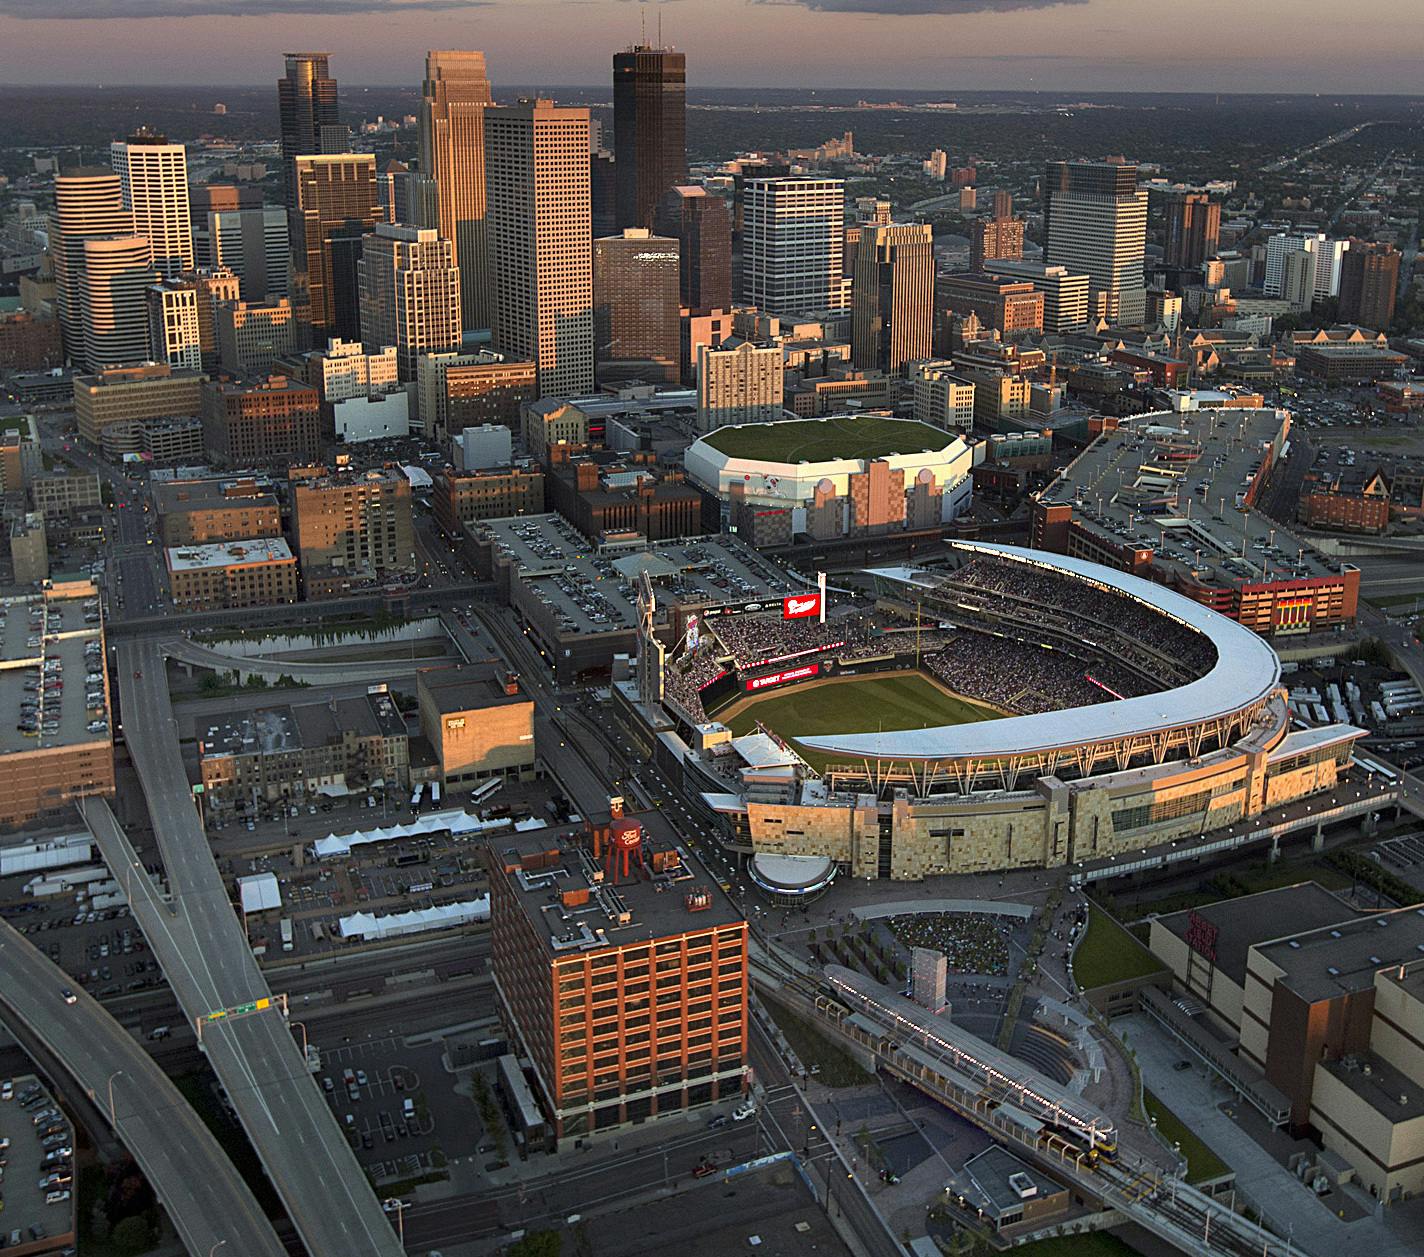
x: 821, y: 440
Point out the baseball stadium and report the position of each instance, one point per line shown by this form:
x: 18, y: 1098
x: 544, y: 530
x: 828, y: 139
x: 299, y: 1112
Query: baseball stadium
x: 1013, y: 708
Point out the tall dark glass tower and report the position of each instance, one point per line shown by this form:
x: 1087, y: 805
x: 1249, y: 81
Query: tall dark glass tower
x: 306, y: 101
x: 649, y: 129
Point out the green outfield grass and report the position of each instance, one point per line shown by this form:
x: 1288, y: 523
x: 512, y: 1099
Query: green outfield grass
x: 864, y: 705
x: 816, y: 440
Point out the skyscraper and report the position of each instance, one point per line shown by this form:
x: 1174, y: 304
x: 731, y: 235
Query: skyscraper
x: 702, y: 226
x: 1095, y: 220
x: 410, y: 294
x: 793, y: 234
x: 114, y: 300
x: 892, y: 296
x: 337, y: 204
x: 88, y: 201
x: 739, y: 381
x: 174, y: 336
x: 996, y: 237
x: 252, y: 243
x: 1369, y: 279
x: 636, y: 332
x: 1327, y: 255
x: 306, y: 101
x: 1193, y: 229
x: 539, y: 240
x: 153, y: 176
x: 649, y: 129
x: 454, y: 96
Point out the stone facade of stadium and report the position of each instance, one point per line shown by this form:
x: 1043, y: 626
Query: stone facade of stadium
x: 1056, y: 822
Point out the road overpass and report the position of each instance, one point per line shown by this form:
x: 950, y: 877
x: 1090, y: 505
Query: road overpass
x: 245, y: 666
x: 197, y: 939
x: 205, y: 1197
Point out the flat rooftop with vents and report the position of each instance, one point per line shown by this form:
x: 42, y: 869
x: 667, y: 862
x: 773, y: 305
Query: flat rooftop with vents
x: 581, y: 897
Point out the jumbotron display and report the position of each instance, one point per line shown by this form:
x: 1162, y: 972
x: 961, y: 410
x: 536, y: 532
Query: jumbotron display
x: 1020, y: 709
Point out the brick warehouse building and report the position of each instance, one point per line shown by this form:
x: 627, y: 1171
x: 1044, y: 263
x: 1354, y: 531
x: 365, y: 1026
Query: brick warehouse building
x: 621, y: 970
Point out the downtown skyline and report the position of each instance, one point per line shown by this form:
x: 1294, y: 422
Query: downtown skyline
x: 919, y: 45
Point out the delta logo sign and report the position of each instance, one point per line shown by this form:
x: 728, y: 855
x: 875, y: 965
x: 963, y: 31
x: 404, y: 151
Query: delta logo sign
x: 799, y: 606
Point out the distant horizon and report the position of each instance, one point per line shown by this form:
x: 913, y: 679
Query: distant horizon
x: 1300, y: 47
x: 692, y: 89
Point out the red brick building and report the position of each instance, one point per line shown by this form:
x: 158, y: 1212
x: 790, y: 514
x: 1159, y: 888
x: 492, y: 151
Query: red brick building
x: 28, y: 343
x: 276, y: 420
x: 1358, y: 504
x: 628, y: 995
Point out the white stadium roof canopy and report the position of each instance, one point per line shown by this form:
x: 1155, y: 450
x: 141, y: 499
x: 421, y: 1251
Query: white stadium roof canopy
x: 1246, y: 671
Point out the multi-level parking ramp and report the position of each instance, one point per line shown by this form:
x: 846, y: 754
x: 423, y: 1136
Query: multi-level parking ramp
x: 209, y: 1204
x: 196, y: 938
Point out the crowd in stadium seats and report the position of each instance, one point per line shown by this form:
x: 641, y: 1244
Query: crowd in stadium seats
x: 1124, y: 646
x: 750, y: 640
x: 1021, y: 679
x: 1155, y: 636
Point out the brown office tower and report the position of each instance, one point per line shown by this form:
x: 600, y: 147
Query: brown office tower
x: 353, y: 523
x: 337, y: 203
x: 1003, y: 204
x: 649, y: 129
x: 635, y: 307
x: 603, y: 193
x: 1193, y: 230
x: 892, y: 296
x: 306, y: 101
x: 452, y: 152
x: 995, y: 238
x: 621, y: 970
x: 702, y: 226
x: 271, y: 421
x: 1369, y: 279
x: 540, y: 243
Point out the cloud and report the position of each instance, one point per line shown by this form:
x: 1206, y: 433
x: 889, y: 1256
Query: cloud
x: 921, y: 8
x: 102, y: 10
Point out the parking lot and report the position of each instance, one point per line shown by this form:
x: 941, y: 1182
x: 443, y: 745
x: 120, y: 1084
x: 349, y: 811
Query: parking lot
x: 36, y: 1165
x: 402, y: 1111
x: 1403, y: 856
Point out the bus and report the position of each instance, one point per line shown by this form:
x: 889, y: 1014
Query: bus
x: 1376, y: 769
x: 434, y: 794
x: 415, y: 796
x: 286, y: 927
x: 482, y: 792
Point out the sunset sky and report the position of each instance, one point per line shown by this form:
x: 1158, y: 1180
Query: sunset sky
x: 1061, y: 45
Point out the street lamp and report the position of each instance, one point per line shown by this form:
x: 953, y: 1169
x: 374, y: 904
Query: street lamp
x: 215, y: 1247
x: 303, y: 1026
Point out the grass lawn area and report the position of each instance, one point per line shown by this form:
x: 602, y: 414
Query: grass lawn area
x: 1093, y: 1244
x: 1202, y: 1162
x: 904, y: 700
x: 817, y: 440
x: 15, y: 423
x: 837, y: 1067
x: 1108, y: 953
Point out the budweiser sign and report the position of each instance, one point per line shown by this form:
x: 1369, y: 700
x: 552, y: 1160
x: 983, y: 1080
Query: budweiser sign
x: 799, y: 606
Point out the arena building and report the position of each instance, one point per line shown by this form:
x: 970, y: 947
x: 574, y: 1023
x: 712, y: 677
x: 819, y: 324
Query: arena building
x: 850, y: 475
x: 1023, y: 710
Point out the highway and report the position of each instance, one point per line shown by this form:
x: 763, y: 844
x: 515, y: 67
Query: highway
x: 205, y: 1197
x: 197, y: 939
x: 315, y: 673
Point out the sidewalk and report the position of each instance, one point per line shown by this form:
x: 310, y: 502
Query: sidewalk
x: 1317, y: 1228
